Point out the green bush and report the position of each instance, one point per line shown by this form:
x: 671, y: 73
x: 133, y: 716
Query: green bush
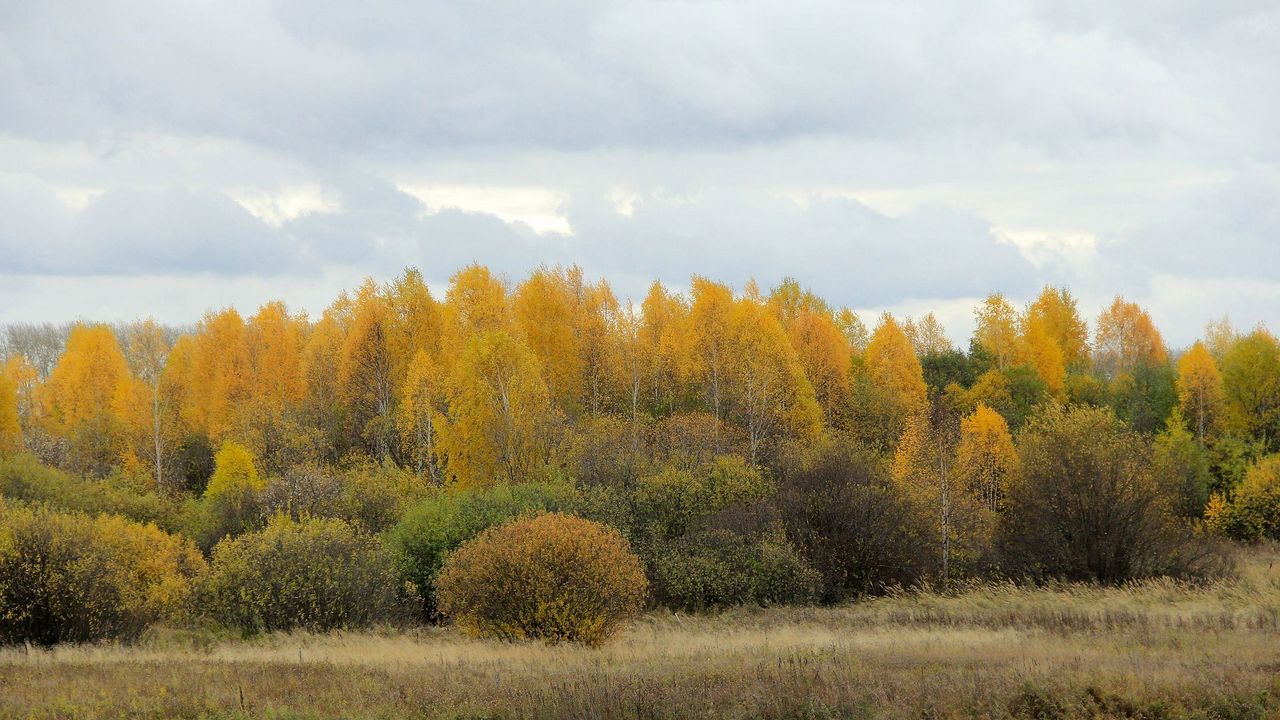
x: 671, y: 502
x: 552, y: 577
x: 24, y: 478
x: 68, y: 577
x: 315, y: 574
x: 437, y: 526
x: 1254, y: 511
x: 720, y: 568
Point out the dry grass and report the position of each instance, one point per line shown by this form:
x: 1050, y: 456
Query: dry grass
x: 1152, y: 650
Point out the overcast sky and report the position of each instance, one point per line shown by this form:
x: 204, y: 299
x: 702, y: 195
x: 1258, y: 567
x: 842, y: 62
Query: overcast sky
x: 162, y: 158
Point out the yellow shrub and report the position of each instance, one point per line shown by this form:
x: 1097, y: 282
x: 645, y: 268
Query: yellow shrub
x: 67, y: 577
x: 553, y: 576
x: 234, y: 472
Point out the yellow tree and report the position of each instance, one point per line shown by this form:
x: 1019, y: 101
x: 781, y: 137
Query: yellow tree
x: 997, y: 330
x: 1038, y: 349
x: 221, y: 375
x: 421, y: 408
x: 661, y: 336
x: 1251, y: 388
x: 476, y: 302
x: 986, y: 461
x: 598, y: 324
x: 147, y: 353
x: 23, y: 377
x: 894, y: 369
x: 766, y: 387
x: 1126, y: 338
x: 825, y: 355
x: 927, y: 335
x: 321, y: 363
x: 545, y: 309
x: 1056, y: 311
x: 924, y: 471
x: 500, y: 418
x: 855, y: 331
x: 414, y: 323
x: 275, y: 343
x: 1200, y: 390
x: 365, y: 373
x: 1219, y: 336
x: 707, y: 340
x: 10, y: 428
x: 88, y: 379
x: 234, y: 473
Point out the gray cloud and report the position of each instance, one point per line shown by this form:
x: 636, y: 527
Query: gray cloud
x: 132, y: 231
x: 322, y: 76
x: 1145, y: 126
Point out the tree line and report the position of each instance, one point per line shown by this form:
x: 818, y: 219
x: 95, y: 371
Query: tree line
x: 750, y: 445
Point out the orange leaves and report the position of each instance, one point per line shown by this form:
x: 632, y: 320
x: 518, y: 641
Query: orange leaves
x: 891, y: 363
x: 1125, y: 338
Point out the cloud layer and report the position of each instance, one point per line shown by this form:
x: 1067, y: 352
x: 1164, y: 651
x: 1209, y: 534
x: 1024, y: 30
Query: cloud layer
x: 883, y: 153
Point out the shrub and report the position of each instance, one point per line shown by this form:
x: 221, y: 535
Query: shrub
x: 24, y: 478
x: 304, y: 491
x: 440, y: 524
x: 316, y: 574
x: 553, y: 576
x: 720, y: 568
x: 67, y: 577
x: 233, y: 473
x: 848, y: 522
x: 670, y: 502
x: 1254, y: 511
x: 1087, y: 508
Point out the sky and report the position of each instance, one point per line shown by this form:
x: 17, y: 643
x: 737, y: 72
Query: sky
x: 160, y: 159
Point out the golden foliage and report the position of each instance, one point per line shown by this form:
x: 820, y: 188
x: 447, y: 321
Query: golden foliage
x: 997, y: 330
x: 1200, y: 390
x: 500, y: 417
x: 1055, y: 310
x: 10, y: 427
x: 986, y: 462
x: 89, y: 380
x: 894, y: 369
x: 1125, y: 338
x: 553, y: 577
x: 67, y: 577
x: 234, y: 472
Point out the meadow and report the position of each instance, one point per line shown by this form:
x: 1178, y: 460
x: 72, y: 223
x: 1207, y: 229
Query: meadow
x: 1150, y: 649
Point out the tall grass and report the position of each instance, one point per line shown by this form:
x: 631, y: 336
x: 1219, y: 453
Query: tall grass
x: 1156, y: 649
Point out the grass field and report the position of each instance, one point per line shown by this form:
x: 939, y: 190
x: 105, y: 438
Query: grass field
x: 1153, y: 650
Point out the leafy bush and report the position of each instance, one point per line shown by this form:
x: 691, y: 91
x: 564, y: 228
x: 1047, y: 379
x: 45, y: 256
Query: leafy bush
x: 315, y: 574
x: 848, y: 522
x: 553, y: 577
x: 1087, y: 507
x: 1254, y: 511
x: 671, y: 501
x: 440, y: 524
x: 24, y: 478
x: 67, y: 577
x: 720, y: 568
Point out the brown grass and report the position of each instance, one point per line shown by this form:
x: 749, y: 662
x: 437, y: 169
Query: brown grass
x: 1153, y: 650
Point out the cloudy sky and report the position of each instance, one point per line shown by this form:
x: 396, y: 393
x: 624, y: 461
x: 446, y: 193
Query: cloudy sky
x: 162, y: 158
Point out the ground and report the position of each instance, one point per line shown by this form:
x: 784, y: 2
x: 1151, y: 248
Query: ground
x: 1157, y: 649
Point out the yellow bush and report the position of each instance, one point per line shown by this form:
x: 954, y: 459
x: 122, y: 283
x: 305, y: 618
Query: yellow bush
x: 553, y: 577
x: 67, y: 577
x: 316, y: 574
x: 234, y: 472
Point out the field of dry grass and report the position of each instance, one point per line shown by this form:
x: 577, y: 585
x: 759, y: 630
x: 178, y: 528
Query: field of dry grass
x: 1154, y: 650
